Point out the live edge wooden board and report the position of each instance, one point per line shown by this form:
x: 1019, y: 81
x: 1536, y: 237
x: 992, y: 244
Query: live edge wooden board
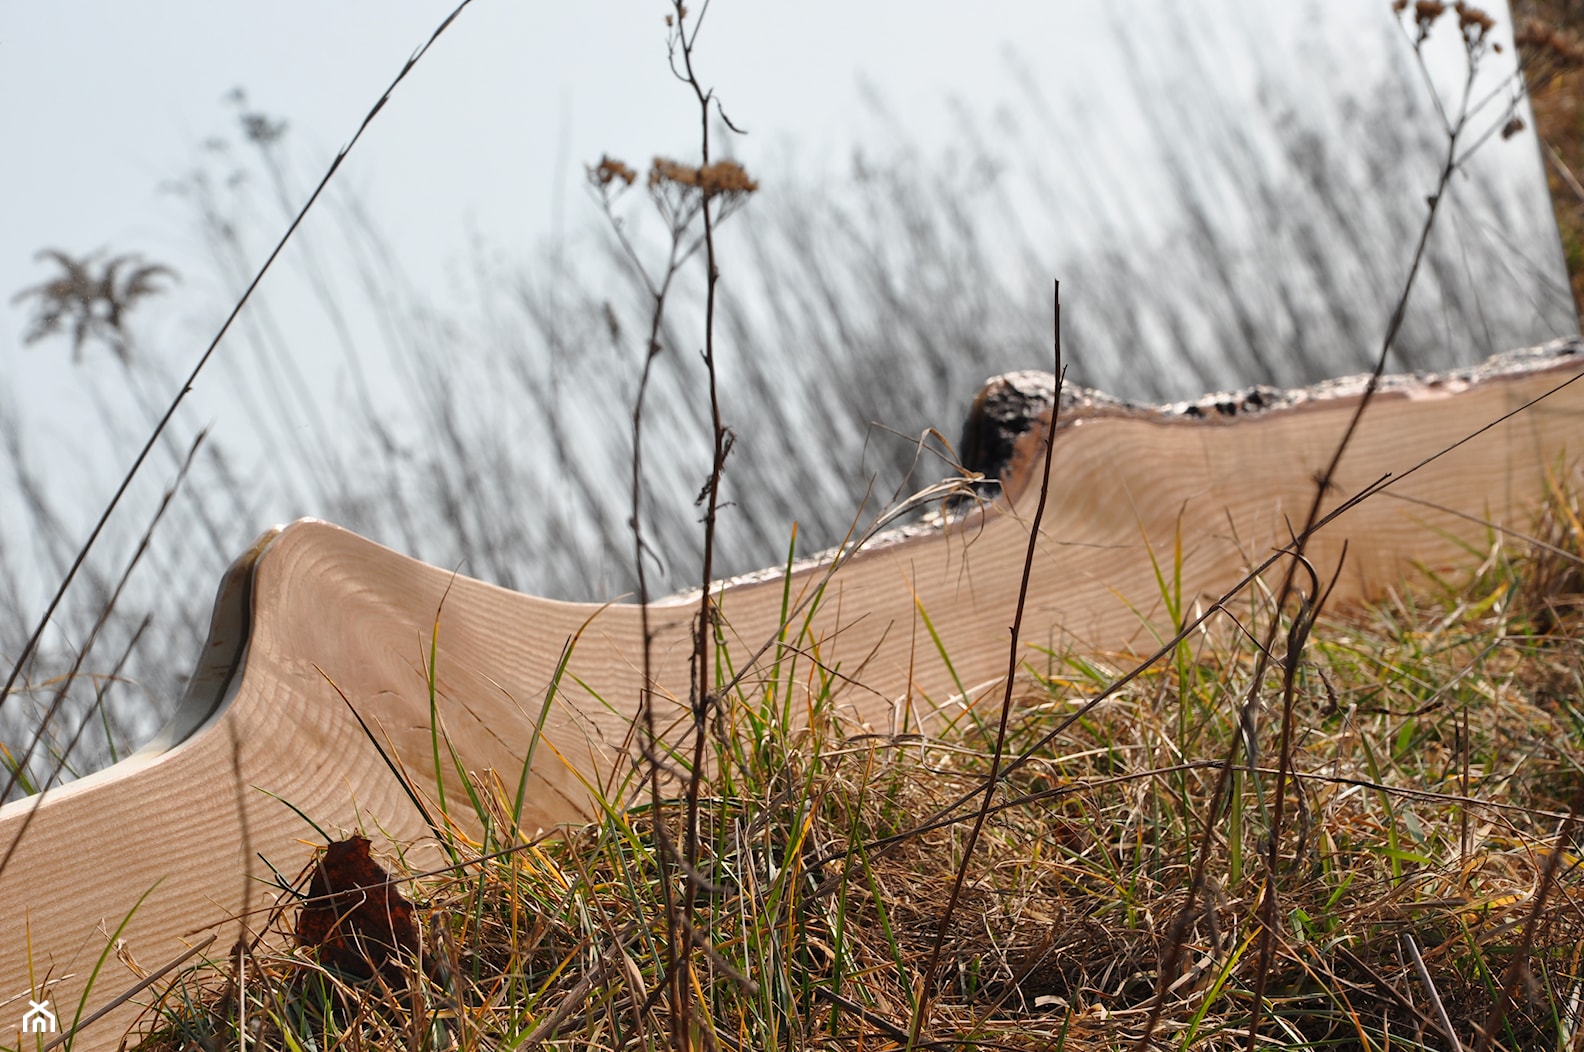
x: 186, y: 825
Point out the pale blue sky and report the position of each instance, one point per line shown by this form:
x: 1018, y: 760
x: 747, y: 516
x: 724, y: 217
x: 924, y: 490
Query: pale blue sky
x: 102, y: 102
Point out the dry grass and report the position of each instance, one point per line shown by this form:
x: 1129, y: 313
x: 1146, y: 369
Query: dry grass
x: 1441, y: 743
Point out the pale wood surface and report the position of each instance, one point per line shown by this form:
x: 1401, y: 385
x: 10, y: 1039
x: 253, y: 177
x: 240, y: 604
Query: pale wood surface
x: 190, y: 817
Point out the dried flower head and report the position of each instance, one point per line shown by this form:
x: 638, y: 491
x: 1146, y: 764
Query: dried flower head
x: 726, y: 177
x: 664, y: 171
x: 90, y: 299
x: 1474, y: 23
x: 680, y: 191
x: 610, y: 170
x: 1425, y: 13
x: 720, y: 178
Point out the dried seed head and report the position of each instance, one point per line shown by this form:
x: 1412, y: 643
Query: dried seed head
x: 664, y: 171
x: 718, y: 179
x: 610, y: 170
x: 1425, y: 13
x: 1474, y: 23
x: 726, y: 177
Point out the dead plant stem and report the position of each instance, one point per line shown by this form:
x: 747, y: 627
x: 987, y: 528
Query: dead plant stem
x: 927, y: 990
x: 1324, y: 482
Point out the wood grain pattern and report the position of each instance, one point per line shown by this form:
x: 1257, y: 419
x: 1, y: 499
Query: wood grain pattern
x: 191, y: 820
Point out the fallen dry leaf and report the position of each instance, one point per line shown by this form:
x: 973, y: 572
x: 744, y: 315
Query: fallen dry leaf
x: 355, y: 920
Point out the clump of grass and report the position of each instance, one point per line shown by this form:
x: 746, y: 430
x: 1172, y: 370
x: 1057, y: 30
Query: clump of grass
x: 1441, y: 742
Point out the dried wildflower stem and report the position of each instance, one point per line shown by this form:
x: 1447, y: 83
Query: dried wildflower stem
x: 603, y: 177
x: 702, y: 635
x: 651, y: 734
x: 681, y: 194
x: 992, y: 779
x: 702, y: 698
x: 1266, y: 906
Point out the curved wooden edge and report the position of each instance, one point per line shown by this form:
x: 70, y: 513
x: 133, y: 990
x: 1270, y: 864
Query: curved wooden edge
x: 334, y: 623
x: 215, y: 681
x: 1018, y: 462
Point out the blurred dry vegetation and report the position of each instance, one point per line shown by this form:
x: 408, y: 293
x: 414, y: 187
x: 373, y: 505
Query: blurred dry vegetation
x: 1552, y: 50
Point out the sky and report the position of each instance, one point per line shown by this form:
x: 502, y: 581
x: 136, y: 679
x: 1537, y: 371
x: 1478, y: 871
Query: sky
x: 108, y: 101
x: 104, y: 102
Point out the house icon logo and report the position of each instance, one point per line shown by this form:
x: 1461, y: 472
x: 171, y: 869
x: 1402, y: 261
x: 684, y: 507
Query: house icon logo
x: 38, y: 1019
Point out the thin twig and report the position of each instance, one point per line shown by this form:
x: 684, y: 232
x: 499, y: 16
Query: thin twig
x: 702, y: 697
x: 1441, y: 1017
x: 921, y: 1013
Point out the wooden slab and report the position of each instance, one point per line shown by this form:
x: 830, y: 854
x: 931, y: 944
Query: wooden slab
x: 188, y: 824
